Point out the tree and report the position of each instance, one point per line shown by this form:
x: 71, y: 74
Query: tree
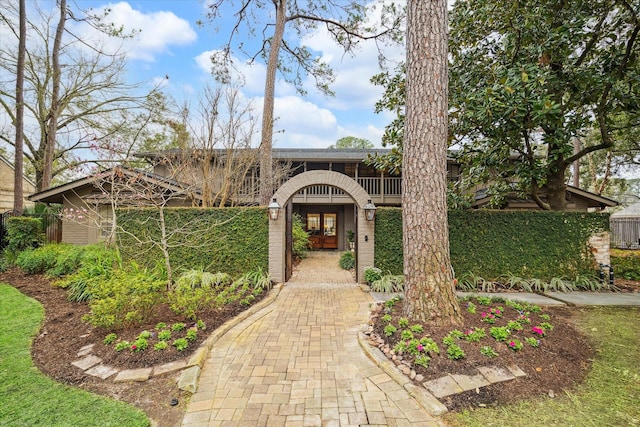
x: 74, y: 92
x: 216, y: 148
x: 429, y: 286
x: 600, y: 170
x: 18, y: 191
x: 526, y: 81
x: 351, y: 142
x: 521, y: 95
x: 344, y: 22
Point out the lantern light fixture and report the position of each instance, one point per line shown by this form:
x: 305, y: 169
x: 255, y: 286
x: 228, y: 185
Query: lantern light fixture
x: 274, y: 210
x: 370, y: 211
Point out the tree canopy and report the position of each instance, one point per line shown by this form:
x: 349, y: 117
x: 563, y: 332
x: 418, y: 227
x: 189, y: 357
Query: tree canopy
x: 75, y: 96
x: 351, y: 142
x: 525, y: 81
x: 283, y: 51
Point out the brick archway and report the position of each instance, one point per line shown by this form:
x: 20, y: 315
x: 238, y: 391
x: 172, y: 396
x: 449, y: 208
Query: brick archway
x: 277, y: 240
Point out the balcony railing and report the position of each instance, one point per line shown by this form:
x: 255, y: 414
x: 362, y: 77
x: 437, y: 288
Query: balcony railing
x: 376, y: 187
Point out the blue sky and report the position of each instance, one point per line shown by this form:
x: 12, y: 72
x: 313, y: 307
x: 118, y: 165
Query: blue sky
x: 171, y: 43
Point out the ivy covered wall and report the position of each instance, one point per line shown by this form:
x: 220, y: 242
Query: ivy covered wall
x: 230, y: 240
x: 489, y: 244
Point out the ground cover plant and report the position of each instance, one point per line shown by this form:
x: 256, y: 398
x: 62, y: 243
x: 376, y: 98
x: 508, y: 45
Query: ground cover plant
x: 129, y: 314
x: 543, y: 343
x: 30, y: 398
x: 607, y: 397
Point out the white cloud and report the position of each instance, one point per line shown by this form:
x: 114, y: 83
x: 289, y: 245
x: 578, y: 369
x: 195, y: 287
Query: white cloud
x: 251, y: 76
x: 353, y: 72
x: 155, y: 32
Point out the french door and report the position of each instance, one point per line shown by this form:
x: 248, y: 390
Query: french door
x: 323, y: 230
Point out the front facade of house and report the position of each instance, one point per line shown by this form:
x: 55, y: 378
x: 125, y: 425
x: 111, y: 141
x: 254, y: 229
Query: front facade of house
x: 327, y: 188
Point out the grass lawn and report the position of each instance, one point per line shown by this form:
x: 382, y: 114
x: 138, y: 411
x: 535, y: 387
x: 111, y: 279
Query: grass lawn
x: 610, y: 395
x: 28, y: 397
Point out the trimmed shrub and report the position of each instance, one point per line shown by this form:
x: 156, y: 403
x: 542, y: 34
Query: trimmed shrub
x: 23, y: 233
x: 125, y: 298
x: 491, y: 244
x: 234, y: 240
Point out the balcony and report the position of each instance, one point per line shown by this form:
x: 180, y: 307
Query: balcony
x: 382, y: 190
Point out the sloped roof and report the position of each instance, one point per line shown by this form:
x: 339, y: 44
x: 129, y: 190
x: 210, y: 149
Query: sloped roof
x: 631, y: 211
x: 56, y: 194
x: 292, y: 154
x: 482, y: 198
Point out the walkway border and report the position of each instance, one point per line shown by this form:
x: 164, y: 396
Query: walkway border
x: 423, y: 397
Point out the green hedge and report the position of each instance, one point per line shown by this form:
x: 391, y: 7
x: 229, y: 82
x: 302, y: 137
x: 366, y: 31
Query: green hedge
x: 23, y: 233
x: 230, y: 240
x: 489, y: 244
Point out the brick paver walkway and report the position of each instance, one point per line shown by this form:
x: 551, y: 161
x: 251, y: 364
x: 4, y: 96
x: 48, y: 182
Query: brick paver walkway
x: 298, y: 362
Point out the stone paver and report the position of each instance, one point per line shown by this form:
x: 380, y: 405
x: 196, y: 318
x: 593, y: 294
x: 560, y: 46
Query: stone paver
x: 301, y: 364
x: 102, y: 371
x: 136, y: 375
x: 496, y: 374
x: 87, y: 362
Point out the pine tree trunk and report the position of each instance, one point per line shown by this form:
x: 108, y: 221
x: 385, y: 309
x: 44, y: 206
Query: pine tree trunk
x: 18, y: 190
x: 429, y: 288
x: 266, y: 156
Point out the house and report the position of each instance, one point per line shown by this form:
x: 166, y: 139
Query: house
x: 87, y: 203
x: 330, y: 189
x: 7, y: 180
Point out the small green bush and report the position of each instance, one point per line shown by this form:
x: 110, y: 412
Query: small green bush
x: 301, y: 240
x: 126, y: 298
x: 347, y: 261
x: 626, y: 264
x: 40, y: 260
x: 371, y: 274
x: 23, y: 233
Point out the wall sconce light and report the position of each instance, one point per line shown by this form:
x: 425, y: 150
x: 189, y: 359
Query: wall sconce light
x: 274, y: 210
x: 370, y: 211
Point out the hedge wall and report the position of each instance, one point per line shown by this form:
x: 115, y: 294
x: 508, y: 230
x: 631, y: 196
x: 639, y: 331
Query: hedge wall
x: 231, y: 240
x: 485, y: 243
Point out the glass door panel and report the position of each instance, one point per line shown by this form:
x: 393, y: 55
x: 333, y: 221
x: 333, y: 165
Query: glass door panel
x: 314, y: 230
x: 330, y: 224
x: 323, y: 230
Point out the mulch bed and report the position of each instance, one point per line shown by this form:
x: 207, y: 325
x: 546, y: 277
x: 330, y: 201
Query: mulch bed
x: 560, y: 363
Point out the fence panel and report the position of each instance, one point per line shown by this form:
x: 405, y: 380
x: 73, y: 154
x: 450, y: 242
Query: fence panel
x: 625, y: 233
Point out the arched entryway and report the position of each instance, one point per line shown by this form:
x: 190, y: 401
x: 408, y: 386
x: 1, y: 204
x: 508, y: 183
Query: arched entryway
x: 278, y: 228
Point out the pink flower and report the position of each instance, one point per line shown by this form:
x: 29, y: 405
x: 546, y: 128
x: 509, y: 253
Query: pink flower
x: 537, y: 330
x: 483, y: 314
x: 420, y: 347
x: 133, y: 347
x: 512, y: 344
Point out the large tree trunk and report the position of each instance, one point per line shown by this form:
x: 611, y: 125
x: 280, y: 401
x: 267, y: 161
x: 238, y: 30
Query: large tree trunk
x: 54, y: 111
x: 18, y: 191
x: 266, y: 142
x: 556, y: 189
x: 429, y: 287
